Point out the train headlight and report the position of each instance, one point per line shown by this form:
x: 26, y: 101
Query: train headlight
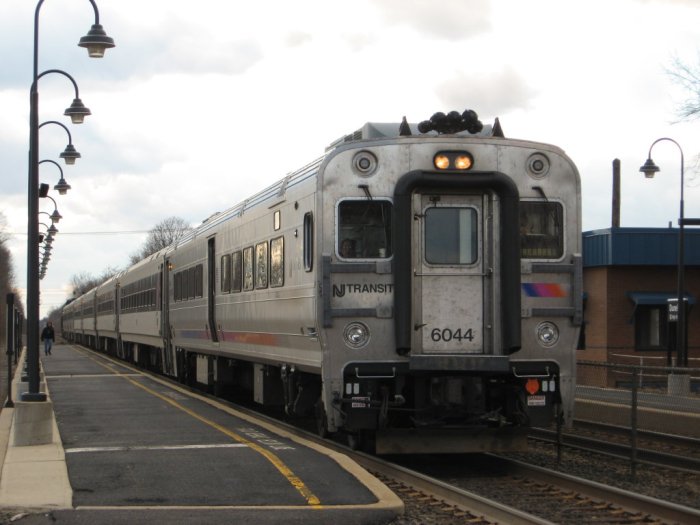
x: 442, y: 161
x: 537, y: 165
x: 356, y: 334
x: 547, y: 333
x: 364, y: 163
x: 463, y: 162
x: 453, y: 160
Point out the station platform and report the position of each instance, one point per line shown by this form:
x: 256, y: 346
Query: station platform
x: 129, y: 448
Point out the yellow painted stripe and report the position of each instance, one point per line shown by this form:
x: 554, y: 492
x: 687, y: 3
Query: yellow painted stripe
x: 293, y: 479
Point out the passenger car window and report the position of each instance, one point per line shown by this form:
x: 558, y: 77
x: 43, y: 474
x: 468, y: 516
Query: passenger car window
x: 226, y: 273
x: 261, y: 265
x: 236, y: 271
x: 277, y: 262
x: 248, y: 268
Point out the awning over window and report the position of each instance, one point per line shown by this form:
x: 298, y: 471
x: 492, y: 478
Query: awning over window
x: 653, y: 298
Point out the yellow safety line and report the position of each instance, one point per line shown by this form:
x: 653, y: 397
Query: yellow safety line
x: 295, y: 481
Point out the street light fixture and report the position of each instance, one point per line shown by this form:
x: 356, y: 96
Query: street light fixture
x: 55, y: 216
x: 62, y: 187
x: 649, y: 168
x: 69, y: 154
x: 77, y: 110
x: 96, y: 43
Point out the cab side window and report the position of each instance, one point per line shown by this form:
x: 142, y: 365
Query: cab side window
x: 364, y: 229
x: 541, y: 230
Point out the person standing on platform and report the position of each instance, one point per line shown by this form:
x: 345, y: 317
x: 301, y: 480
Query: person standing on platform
x: 48, y: 336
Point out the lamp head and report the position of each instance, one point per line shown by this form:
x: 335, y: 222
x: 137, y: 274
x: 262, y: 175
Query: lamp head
x: 62, y: 187
x: 96, y: 41
x: 69, y: 154
x: 649, y: 169
x: 77, y: 111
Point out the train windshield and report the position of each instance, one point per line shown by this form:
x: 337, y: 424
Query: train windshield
x: 364, y: 229
x: 451, y: 235
x: 541, y: 230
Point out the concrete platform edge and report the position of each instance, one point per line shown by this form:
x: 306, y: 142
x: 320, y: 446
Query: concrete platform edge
x: 33, y: 477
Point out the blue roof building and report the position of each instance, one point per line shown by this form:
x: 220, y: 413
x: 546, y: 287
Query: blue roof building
x: 628, y: 276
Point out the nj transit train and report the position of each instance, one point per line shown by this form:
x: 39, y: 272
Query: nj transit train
x: 418, y: 292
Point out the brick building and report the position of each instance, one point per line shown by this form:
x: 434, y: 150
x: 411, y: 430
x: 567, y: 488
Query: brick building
x: 628, y: 276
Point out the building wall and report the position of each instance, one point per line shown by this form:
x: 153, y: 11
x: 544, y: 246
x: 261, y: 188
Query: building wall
x: 595, y: 286
x: 609, y: 313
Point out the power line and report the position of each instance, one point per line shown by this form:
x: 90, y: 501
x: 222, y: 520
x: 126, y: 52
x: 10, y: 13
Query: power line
x: 61, y: 232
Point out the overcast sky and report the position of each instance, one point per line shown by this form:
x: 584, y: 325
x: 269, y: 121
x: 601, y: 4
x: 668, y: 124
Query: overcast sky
x: 203, y: 103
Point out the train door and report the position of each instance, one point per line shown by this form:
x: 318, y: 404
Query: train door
x: 168, y: 365
x: 117, y: 313
x: 211, y: 289
x: 453, y: 292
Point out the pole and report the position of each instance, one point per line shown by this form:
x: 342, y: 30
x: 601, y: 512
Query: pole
x: 649, y: 169
x: 33, y: 228
x: 680, y: 334
x: 10, y: 345
x: 33, y: 252
x: 633, y: 424
x: 18, y: 334
x: 616, y: 194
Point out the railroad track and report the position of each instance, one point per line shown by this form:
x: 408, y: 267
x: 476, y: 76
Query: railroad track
x: 605, y: 501
x: 683, y: 461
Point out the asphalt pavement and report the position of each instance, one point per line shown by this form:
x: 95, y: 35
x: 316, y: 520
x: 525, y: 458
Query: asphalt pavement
x: 129, y: 448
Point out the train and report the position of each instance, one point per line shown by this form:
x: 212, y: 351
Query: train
x: 416, y: 289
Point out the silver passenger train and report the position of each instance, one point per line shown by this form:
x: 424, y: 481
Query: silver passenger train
x: 418, y: 292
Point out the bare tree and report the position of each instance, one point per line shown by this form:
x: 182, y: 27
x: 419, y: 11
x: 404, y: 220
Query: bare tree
x: 688, y: 77
x: 7, y: 280
x: 163, y: 234
x: 3, y: 226
x: 83, y: 282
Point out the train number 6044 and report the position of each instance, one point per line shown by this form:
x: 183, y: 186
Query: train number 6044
x: 448, y: 334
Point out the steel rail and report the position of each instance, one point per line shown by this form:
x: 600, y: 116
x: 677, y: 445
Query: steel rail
x: 632, y: 501
x: 619, y: 450
x: 473, y: 503
x: 672, y: 439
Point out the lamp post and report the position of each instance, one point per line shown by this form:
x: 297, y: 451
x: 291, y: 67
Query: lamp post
x: 96, y: 42
x: 650, y: 169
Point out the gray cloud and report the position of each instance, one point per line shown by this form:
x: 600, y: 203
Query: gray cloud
x: 489, y: 95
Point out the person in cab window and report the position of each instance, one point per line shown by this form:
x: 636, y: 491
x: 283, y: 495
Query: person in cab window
x: 347, y: 248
